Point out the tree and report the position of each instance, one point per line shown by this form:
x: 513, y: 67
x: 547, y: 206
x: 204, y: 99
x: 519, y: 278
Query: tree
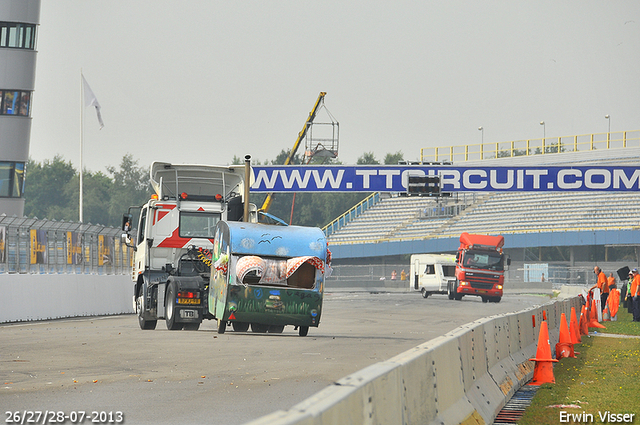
x: 130, y: 187
x: 44, y: 184
x: 282, y: 157
x: 367, y: 158
x: 393, y: 158
x: 96, y: 200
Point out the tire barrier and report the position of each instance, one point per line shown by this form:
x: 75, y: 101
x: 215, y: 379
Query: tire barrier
x: 463, y: 377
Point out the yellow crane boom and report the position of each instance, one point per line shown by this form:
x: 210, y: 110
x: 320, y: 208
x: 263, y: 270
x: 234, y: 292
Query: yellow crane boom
x: 301, y: 135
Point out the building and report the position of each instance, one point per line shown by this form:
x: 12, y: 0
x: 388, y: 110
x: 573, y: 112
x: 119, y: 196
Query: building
x: 18, y: 32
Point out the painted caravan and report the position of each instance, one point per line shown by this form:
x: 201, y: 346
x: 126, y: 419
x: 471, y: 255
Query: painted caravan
x: 266, y: 277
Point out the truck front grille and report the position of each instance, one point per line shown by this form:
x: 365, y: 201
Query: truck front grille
x: 482, y: 280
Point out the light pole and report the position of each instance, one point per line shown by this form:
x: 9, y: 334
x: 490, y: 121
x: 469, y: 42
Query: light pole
x: 481, y: 131
x: 608, y: 118
x: 544, y: 130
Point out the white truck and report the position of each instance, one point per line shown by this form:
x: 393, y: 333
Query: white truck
x: 174, y: 237
x: 432, y: 274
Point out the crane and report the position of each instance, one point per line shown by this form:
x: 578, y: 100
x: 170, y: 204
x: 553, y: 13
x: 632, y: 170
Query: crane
x: 296, y: 145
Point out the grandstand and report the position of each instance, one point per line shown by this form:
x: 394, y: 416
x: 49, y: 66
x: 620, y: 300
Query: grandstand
x: 399, y: 221
x: 402, y: 218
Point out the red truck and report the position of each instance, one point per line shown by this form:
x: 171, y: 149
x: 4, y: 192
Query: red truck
x: 480, y: 265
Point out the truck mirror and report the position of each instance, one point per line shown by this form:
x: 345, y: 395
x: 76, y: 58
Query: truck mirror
x: 508, y: 261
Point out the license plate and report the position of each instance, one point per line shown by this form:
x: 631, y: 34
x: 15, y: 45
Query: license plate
x: 482, y: 291
x: 188, y: 301
x: 188, y: 314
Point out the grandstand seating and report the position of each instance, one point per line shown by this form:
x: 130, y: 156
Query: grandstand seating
x: 400, y: 218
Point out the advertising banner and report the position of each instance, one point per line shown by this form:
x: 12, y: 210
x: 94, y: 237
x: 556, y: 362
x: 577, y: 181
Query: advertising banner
x: 3, y: 243
x: 104, y: 250
x: 394, y: 178
x: 38, y: 246
x: 74, y: 249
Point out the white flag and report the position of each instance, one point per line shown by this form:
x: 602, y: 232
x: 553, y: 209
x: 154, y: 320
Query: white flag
x: 90, y: 99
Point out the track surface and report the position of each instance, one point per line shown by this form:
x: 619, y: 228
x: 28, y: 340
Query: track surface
x: 201, y: 377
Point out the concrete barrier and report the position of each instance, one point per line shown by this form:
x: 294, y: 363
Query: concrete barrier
x: 463, y: 377
x: 53, y: 296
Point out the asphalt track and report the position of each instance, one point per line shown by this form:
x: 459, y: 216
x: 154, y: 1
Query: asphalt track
x: 108, y: 364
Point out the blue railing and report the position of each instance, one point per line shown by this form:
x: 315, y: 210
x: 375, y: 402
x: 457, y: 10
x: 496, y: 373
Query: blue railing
x: 350, y: 215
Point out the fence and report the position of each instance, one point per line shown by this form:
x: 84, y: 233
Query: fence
x: 547, y: 145
x: 518, y: 275
x: 32, y: 246
x: 367, y: 273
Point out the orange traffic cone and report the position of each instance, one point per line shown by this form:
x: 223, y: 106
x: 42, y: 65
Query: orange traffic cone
x: 584, y: 329
x: 593, y: 322
x: 543, y: 370
x: 573, y: 328
x: 564, y: 347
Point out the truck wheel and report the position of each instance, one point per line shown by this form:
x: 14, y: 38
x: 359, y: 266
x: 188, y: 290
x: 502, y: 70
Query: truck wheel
x: 303, y: 330
x: 425, y: 294
x: 456, y: 295
x: 484, y: 299
x: 222, y: 326
x: 144, y: 324
x: 276, y: 329
x: 259, y: 328
x: 170, y: 319
x: 240, y: 326
x: 450, y: 294
x: 495, y: 299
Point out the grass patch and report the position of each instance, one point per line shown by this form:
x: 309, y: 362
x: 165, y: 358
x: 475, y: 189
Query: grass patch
x: 605, y: 376
x: 623, y: 326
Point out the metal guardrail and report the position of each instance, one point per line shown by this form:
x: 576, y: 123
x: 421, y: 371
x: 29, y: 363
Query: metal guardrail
x: 530, y: 147
x: 33, y: 246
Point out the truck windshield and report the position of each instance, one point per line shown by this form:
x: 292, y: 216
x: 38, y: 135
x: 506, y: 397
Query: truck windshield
x: 483, y: 260
x: 198, y: 224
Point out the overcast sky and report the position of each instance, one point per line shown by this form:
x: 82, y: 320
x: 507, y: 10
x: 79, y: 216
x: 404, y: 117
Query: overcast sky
x: 200, y: 81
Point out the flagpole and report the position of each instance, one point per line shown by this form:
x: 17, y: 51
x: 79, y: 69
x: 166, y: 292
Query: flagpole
x: 81, y: 138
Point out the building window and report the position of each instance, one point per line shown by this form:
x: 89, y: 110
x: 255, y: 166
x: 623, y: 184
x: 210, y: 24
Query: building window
x: 17, y: 36
x: 15, y: 102
x: 11, y: 179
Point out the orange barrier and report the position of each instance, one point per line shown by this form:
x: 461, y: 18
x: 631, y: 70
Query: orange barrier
x: 543, y: 370
x: 564, y: 347
x: 584, y: 329
x: 573, y: 327
x: 613, y: 304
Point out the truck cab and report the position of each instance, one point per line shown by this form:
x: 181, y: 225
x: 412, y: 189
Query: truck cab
x: 480, y: 266
x: 174, y: 238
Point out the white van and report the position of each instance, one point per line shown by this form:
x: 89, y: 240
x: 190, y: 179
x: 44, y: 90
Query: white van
x: 432, y: 273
